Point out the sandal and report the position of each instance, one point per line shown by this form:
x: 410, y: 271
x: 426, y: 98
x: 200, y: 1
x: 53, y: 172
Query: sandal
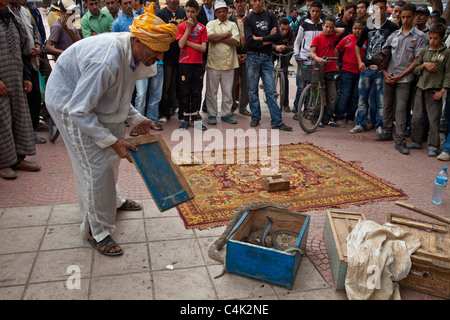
x: 184, y: 126
x: 192, y: 124
x: 295, y: 117
x: 39, y: 140
x: 162, y: 121
x: 130, y: 205
x: 108, y: 243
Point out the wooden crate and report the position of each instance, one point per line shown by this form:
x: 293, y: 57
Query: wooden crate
x: 430, y: 270
x: 163, y: 178
x: 275, y: 183
x: 262, y: 263
x: 338, y: 225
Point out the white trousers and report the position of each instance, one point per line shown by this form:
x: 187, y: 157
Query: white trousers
x: 214, y: 78
x: 96, y: 172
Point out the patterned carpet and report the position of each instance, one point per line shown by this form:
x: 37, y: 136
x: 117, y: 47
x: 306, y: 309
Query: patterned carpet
x: 318, y: 180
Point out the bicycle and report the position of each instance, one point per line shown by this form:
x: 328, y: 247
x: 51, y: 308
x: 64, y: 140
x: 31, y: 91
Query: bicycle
x: 312, y: 100
x: 280, y: 79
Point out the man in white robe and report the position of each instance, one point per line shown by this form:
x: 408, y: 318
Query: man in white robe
x: 88, y: 96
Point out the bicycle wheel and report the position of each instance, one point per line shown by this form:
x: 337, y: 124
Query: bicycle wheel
x: 311, y: 108
x: 53, y: 132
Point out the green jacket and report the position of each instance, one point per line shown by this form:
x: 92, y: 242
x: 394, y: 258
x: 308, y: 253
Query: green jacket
x: 434, y: 80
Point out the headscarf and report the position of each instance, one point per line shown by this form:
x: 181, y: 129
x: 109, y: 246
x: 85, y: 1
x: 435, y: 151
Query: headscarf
x: 153, y: 31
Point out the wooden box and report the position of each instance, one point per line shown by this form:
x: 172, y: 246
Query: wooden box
x: 263, y: 263
x: 338, y: 225
x: 275, y: 183
x: 430, y: 270
x: 163, y: 178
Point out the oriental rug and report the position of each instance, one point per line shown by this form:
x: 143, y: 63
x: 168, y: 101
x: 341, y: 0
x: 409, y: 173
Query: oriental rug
x: 318, y: 180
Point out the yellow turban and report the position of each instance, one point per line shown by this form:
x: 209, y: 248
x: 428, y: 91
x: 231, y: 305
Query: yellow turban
x: 153, y: 31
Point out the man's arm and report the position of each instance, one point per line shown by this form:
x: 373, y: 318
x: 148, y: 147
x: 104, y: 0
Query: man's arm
x: 199, y: 47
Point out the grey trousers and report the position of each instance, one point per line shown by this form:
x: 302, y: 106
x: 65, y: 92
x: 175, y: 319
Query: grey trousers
x: 214, y: 79
x: 396, y: 95
x: 424, y: 104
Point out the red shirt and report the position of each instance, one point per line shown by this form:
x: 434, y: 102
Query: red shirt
x: 349, y: 61
x: 198, y: 35
x: 325, y: 48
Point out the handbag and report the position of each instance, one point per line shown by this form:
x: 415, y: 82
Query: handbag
x: 382, y: 57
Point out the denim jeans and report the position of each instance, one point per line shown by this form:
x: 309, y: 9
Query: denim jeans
x: 257, y: 67
x: 347, y: 101
x: 155, y: 87
x: 367, y: 80
x: 141, y: 95
x: 446, y: 145
x: 300, y: 86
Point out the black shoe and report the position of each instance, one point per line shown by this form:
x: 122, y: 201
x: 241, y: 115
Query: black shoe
x: 282, y: 127
x: 254, y: 123
x: 402, y: 148
x: 384, y: 137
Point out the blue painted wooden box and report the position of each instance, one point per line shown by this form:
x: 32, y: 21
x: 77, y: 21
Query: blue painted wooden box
x: 163, y: 178
x: 262, y: 263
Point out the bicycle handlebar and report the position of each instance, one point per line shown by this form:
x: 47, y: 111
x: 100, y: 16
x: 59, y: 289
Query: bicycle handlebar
x: 282, y: 54
x: 326, y: 58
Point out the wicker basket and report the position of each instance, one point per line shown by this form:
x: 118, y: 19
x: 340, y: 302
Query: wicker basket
x: 312, y: 71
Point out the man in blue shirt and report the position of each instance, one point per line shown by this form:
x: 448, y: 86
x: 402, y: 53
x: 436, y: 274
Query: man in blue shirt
x: 125, y: 20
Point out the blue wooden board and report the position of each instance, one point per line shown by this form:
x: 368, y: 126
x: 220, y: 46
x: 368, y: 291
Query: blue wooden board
x: 162, y: 177
x: 262, y: 263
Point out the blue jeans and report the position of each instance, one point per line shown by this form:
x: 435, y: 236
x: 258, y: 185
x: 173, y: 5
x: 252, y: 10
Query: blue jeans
x: 347, y: 102
x: 155, y: 87
x: 141, y: 95
x: 262, y: 67
x: 367, y: 80
x: 300, y: 86
x: 446, y: 145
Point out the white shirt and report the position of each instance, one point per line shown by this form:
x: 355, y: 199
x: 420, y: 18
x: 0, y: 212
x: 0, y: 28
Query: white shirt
x: 93, y: 82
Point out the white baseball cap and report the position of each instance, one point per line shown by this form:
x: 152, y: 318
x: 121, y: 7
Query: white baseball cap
x: 69, y: 5
x: 220, y: 4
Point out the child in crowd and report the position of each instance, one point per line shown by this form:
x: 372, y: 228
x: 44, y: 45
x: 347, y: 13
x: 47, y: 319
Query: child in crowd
x: 433, y: 69
x: 323, y: 46
x: 192, y: 38
x: 347, y: 102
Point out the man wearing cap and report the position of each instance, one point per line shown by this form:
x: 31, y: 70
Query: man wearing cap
x: 88, y: 96
x: 63, y: 32
x: 223, y: 37
x: 422, y: 17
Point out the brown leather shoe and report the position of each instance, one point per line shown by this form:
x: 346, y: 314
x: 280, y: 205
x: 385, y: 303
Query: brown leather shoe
x: 27, y: 166
x: 8, y: 173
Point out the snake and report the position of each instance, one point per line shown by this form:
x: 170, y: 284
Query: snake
x: 214, y: 250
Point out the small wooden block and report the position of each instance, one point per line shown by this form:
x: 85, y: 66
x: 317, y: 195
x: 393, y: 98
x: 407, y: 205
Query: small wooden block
x: 275, y: 183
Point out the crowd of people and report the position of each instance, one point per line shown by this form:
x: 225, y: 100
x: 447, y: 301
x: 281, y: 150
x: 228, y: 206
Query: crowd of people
x: 231, y: 48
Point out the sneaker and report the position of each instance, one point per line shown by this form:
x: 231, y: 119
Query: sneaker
x: 229, y: 119
x: 341, y: 123
x: 431, y: 153
x: 254, y: 123
x: 444, y: 156
x: 379, y: 130
x: 357, y: 129
x: 282, y: 127
x: 402, y: 148
x: 384, y: 136
x: 413, y: 145
x: 332, y: 124
x: 212, y: 120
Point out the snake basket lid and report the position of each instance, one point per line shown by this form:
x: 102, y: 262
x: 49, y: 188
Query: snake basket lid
x: 247, y: 256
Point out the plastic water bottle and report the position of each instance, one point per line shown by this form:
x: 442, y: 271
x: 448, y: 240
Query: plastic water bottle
x: 439, y: 186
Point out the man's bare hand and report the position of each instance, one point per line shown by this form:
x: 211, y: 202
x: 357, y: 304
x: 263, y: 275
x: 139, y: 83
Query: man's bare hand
x: 27, y: 86
x: 145, y: 126
x: 121, y: 147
